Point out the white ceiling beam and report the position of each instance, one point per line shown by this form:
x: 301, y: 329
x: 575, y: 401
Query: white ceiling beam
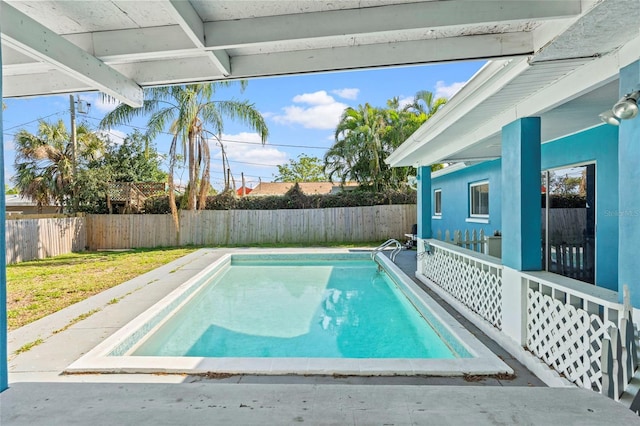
x: 171, y: 71
x: 24, y: 33
x: 39, y: 79
x: 138, y: 44
x: 192, y: 25
x: 387, y: 54
x: 423, y: 15
x: 37, y: 84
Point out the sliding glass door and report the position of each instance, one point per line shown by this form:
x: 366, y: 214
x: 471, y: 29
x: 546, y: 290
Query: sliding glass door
x: 568, y: 221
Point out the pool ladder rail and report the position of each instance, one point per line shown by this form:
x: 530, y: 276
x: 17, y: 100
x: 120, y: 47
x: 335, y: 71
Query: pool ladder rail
x: 397, y: 249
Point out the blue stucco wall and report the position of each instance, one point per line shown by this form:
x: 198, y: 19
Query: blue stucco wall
x: 455, y: 198
x: 628, y: 211
x: 4, y: 368
x: 599, y: 145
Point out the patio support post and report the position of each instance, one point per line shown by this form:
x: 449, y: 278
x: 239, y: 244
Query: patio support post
x: 4, y: 367
x: 521, y: 221
x: 424, y: 202
x: 628, y: 184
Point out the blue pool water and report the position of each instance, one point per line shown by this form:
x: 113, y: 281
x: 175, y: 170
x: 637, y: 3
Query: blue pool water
x: 295, y: 308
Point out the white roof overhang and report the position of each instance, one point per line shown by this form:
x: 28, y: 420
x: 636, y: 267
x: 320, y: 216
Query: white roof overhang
x: 567, y: 83
x: 118, y: 47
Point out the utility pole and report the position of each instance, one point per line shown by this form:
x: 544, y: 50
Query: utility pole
x: 74, y: 159
x: 244, y: 187
x: 224, y: 168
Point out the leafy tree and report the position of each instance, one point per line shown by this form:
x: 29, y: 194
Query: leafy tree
x: 565, y: 184
x: 134, y: 160
x: 305, y: 169
x: 366, y: 136
x: 187, y: 111
x: 10, y: 191
x: 44, y: 161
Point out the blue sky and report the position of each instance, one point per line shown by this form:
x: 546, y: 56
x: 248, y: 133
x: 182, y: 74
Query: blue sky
x: 300, y: 110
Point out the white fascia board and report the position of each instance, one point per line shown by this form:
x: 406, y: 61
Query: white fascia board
x: 387, y: 18
x: 584, y: 79
x: 449, y: 169
x: 416, y: 151
x: 483, y: 85
x: 32, y: 38
x: 192, y: 25
x: 386, y: 54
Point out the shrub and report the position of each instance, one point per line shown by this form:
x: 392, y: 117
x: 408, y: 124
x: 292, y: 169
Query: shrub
x: 293, y: 199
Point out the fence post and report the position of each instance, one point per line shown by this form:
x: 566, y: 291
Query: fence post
x: 514, y: 305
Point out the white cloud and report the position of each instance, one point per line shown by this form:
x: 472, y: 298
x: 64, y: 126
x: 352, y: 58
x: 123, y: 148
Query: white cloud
x: 323, y: 111
x: 115, y: 136
x: 347, y: 93
x: 403, y: 102
x: 99, y: 104
x: 444, y: 91
x: 263, y: 156
x: 320, y: 97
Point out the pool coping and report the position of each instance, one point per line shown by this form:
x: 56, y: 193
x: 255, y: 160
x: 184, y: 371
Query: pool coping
x: 98, y: 359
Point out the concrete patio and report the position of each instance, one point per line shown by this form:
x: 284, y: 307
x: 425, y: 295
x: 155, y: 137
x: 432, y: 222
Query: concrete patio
x: 40, y: 394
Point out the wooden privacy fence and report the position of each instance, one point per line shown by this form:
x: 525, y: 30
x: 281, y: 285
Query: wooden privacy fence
x: 28, y: 239
x: 238, y: 227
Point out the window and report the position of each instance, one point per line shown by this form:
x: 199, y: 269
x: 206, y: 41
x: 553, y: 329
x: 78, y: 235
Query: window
x: 437, y: 202
x: 479, y: 199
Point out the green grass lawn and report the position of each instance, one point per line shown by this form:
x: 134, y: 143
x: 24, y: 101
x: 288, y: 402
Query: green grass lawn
x: 38, y: 288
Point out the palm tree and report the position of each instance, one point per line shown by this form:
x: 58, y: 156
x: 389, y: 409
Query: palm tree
x: 187, y: 111
x: 357, y: 151
x: 44, y: 161
x: 366, y: 136
x: 425, y: 103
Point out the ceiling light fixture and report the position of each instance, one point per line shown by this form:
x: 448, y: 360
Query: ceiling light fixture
x: 609, y: 118
x: 627, y: 107
x: 624, y: 109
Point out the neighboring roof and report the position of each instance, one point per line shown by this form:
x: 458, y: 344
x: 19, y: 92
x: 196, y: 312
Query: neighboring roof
x: 15, y: 200
x: 309, y: 188
x: 118, y: 47
x: 246, y: 191
x: 567, y: 84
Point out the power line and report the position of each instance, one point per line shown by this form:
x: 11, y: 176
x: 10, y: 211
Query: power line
x: 33, y: 121
x: 253, y: 164
x: 228, y: 140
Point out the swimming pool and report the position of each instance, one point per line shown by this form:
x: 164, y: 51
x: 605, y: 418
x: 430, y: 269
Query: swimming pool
x: 236, y: 317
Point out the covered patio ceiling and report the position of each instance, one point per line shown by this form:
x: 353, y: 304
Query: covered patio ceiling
x: 119, y: 47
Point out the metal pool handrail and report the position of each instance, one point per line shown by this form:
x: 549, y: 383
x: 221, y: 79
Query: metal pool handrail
x: 386, y: 244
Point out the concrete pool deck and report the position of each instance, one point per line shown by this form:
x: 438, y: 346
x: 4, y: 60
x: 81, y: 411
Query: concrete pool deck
x: 39, y: 394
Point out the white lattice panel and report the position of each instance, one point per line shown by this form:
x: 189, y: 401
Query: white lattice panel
x: 478, y: 287
x: 567, y: 339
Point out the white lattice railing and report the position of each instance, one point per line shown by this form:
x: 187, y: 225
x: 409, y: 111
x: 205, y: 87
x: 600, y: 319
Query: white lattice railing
x: 569, y: 324
x: 472, y: 278
x: 567, y: 339
x: 579, y: 330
